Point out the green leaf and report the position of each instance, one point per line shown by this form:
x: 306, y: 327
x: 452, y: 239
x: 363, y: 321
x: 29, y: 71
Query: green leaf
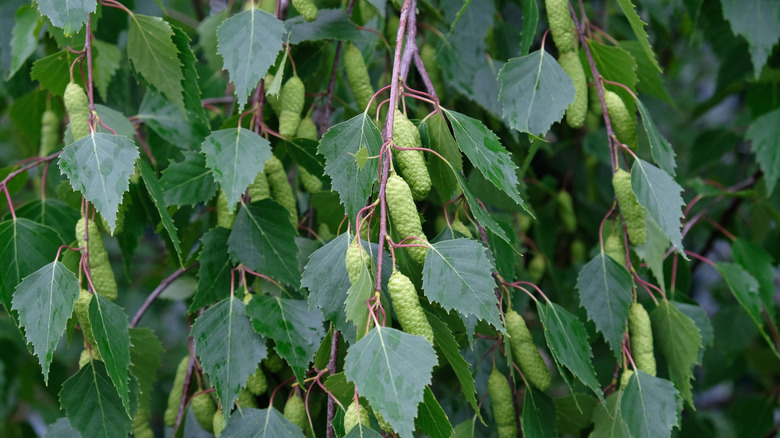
x: 458, y: 275
x: 111, y: 330
x: 24, y: 38
x: 189, y: 181
x: 99, y: 166
x: 530, y: 21
x: 156, y: 194
x: 296, y: 330
x: 264, y: 241
x: 61, y: 429
x: 432, y: 420
x: 638, y: 26
x: 53, y: 71
x: 538, y: 415
x: 487, y: 154
x: 93, y: 405
x: 44, y: 300
x: 607, y: 419
x: 151, y: 49
x: 228, y: 347
x: 304, y: 152
x: 535, y: 92
x: 662, y: 151
x: 764, y: 132
x: 331, y: 24
x: 606, y: 293
x: 758, y: 263
x: 436, y: 135
x: 25, y: 246
x: 214, y: 271
x: 356, y: 308
x: 653, y: 251
x: 362, y: 432
x: 69, y: 15
x: 615, y: 64
x: 482, y: 216
x: 339, y: 145
x: 248, y: 43
x: 236, y: 156
x: 169, y: 122
x: 659, y: 194
x: 702, y: 320
x: 261, y: 423
x: 679, y: 340
x: 145, y: 352
x: 575, y: 413
x: 449, y: 347
x: 568, y: 342
x: 105, y: 64
x: 649, y: 406
x: 391, y: 369
x: 650, y: 79
x: 114, y: 120
x: 194, y: 112
x: 757, y: 22
x: 52, y: 213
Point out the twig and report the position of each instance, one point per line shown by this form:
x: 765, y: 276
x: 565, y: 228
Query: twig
x: 334, y: 353
x: 157, y: 291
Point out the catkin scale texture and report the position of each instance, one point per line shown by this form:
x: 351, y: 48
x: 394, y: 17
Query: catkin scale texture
x: 411, y: 164
x: 259, y: 188
x: 403, y: 213
x: 99, y: 266
x: 295, y: 411
x: 50, y: 125
x: 308, y: 129
x: 641, y: 339
x: 576, y: 111
x: 632, y: 211
x: 356, y: 258
x: 561, y: 25
x: 351, y: 417
x: 306, y: 8
x: 281, y: 190
x: 77, y: 106
x: 406, y: 304
x: 204, y: 408
x: 613, y: 247
x: 81, y: 310
x: 358, y: 78
x: 525, y: 352
x: 503, y: 409
x: 257, y: 383
x: 623, y: 122
x: 175, y: 395
x: 292, y: 99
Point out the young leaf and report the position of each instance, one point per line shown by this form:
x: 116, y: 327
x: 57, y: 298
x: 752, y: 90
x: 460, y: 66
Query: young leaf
x: 391, y: 369
x: 156, y: 194
x: 458, y: 275
x: 214, y: 272
x: 659, y: 194
x: 99, y: 166
x: 338, y: 146
x: 662, y: 151
x: 538, y: 415
x: 44, y: 300
x: 188, y: 182
x: 248, y: 43
x: 70, y: 16
x: 764, y: 134
x: 261, y: 423
x: 296, y: 330
x: 263, y: 240
x: 535, y: 92
x: 606, y: 294
x: 432, y: 420
x: 228, y: 347
x: 236, y: 156
x: 110, y: 327
x: 649, y: 406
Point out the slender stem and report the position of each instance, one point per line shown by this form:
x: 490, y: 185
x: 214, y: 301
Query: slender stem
x: 157, y: 291
x: 10, y: 203
x: 334, y: 354
x: 184, y: 391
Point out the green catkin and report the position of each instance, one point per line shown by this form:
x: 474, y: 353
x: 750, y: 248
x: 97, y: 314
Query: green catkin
x: 175, y: 395
x: 641, y: 339
x: 281, y: 190
x: 406, y: 304
x: 204, y: 408
x: 218, y: 422
x: 536, y: 268
x: 576, y: 111
x: 428, y: 56
x: 306, y: 8
x: 357, y: 76
x: 257, y: 383
x: 403, y: 213
x: 324, y: 232
x: 246, y: 399
x: 141, y: 427
x: 561, y: 25
x: 625, y: 377
x: 259, y: 189
x: 577, y: 251
x: 594, y: 101
x: 460, y: 227
x: 632, y: 211
x: 50, y: 135
x: 86, y: 357
x: 613, y: 247
x: 351, y: 417
x: 308, y: 129
x: 566, y: 211
x: 292, y: 99
x: 295, y: 411
x: 268, y: 6
x: 99, y: 266
x: 411, y: 164
x: 525, y: 353
x: 81, y: 310
x: 225, y: 214
x: 503, y: 409
x: 356, y: 258
x: 273, y: 363
x: 275, y: 100
x: 383, y: 424
x: 77, y: 106
x: 623, y: 122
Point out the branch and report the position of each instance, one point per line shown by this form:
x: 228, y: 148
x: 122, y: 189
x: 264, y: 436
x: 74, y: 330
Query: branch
x: 334, y: 353
x: 325, y: 122
x: 156, y: 293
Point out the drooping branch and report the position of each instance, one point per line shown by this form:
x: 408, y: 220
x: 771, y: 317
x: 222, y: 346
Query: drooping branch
x: 157, y: 291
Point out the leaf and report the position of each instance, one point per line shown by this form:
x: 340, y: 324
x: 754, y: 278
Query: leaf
x: 756, y: 21
x: 44, y: 300
x: 449, y: 347
x: 479, y: 213
x: 264, y: 241
x: 649, y: 406
x: 248, y: 43
x: 679, y: 340
x: 304, y: 152
x: 110, y: 327
x: 607, y: 419
x: 194, y: 111
x: 93, y: 405
x: 151, y: 49
x: 535, y: 92
x: 538, y: 415
x: 356, y: 308
x: 214, y: 272
x: 436, y: 135
x: 487, y: 154
x: 615, y: 64
x: 52, y: 213
x: 145, y: 352
x: 391, y: 369
x: 236, y: 156
x: 702, y: 320
x: 662, y: 151
x: 758, y: 263
x: 53, y: 71
x: 99, y: 166
x: 575, y: 413
x: 228, y: 347
x: 25, y: 247
x: 653, y: 251
x: 606, y: 293
x: 638, y: 26
x: 156, y: 194
x: 189, y: 181
x: 650, y: 79
x: 69, y: 15
x: 114, y: 120
x: 261, y: 423
x: 530, y: 22
x: 169, y: 122
x: 568, y: 342
x: 339, y: 145
x: 362, y: 432
x: 331, y: 24
x: 61, y: 429
x: 659, y: 194
x: 296, y: 330
x: 431, y: 418
x: 458, y: 275
x: 105, y: 64
x: 765, y: 135
x: 24, y: 38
